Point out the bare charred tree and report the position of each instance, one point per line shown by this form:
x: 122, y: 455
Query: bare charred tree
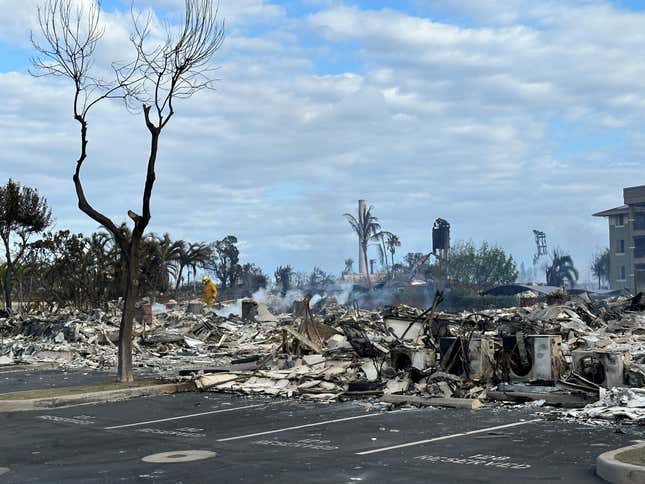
x: 159, y: 74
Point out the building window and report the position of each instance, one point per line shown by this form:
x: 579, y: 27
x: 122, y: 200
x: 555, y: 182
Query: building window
x: 639, y: 247
x: 639, y: 221
x: 620, y: 220
x: 620, y: 249
x: 622, y: 273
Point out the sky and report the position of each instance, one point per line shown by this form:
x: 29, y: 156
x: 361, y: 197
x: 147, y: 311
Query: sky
x: 500, y: 117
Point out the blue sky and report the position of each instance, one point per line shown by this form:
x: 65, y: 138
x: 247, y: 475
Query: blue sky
x: 499, y: 118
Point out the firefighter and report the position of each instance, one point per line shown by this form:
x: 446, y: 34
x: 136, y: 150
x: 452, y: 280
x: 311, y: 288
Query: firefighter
x: 210, y: 291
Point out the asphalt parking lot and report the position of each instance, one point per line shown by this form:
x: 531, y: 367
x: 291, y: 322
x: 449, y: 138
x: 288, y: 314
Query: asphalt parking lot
x: 12, y: 380
x: 263, y: 440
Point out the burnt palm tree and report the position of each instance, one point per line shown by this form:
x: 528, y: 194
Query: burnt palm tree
x: 381, y: 238
x: 561, y: 270
x: 200, y: 254
x: 392, y: 243
x: 190, y: 256
x: 183, y: 259
x: 365, y: 226
x: 168, y: 252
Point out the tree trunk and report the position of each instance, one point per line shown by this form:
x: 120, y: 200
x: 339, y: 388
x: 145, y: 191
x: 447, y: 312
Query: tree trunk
x: 164, y: 278
x: 125, y: 329
x: 363, y: 266
x: 387, y: 269
x: 364, y: 258
x: 8, y: 279
x: 179, y: 275
x: 8, y: 275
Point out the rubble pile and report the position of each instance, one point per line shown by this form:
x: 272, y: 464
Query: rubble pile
x: 580, y: 353
x: 74, y: 340
x: 615, y: 403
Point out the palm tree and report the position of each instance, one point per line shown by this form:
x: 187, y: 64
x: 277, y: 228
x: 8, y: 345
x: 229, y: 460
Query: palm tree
x: 190, y: 256
x: 393, y: 242
x: 365, y: 226
x: 168, y: 252
x: 183, y: 259
x: 200, y: 254
x: 561, y: 270
x: 381, y: 236
x: 349, y: 264
x: 382, y: 258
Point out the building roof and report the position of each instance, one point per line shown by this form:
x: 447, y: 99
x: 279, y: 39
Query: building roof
x: 634, y: 195
x: 513, y: 289
x: 623, y: 209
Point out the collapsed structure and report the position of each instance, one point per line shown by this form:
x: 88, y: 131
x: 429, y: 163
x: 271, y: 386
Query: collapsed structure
x: 583, y: 355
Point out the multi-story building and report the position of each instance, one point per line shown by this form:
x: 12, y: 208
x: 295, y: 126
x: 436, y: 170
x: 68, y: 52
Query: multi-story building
x: 627, y: 241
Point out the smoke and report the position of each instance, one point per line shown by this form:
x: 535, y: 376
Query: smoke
x: 261, y: 295
x: 315, y: 299
x: 283, y: 304
x: 157, y: 308
x: 276, y: 302
x: 346, y: 288
x: 233, y: 308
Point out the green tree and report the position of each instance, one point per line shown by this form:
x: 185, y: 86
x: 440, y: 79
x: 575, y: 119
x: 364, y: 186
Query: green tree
x: 411, y: 259
x: 561, y: 270
x: 477, y: 268
x: 600, y: 266
x: 23, y: 213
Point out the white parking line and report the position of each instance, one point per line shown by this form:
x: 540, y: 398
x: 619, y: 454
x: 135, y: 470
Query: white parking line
x: 183, y: 416
x: 445, y: 437
x: 356, y: 417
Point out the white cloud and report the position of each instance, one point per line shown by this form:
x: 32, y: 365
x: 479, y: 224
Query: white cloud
x: 430, y: 119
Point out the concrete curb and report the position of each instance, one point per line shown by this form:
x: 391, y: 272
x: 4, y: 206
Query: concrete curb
x: 94, y: 397
x: 616, y: 472
x: 20, y: 368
